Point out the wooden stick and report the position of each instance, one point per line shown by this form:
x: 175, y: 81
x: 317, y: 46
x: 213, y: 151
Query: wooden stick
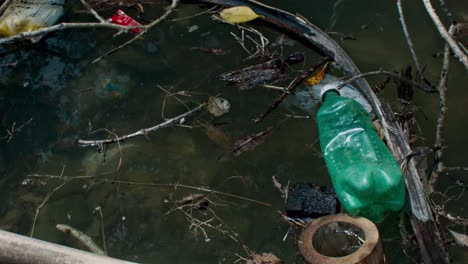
x: 24, y: 250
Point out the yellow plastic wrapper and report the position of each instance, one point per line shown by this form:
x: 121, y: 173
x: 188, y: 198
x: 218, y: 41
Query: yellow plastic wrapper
x: 29, y: 15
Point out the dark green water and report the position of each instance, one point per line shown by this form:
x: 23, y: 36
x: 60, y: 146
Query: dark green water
x: 67, y: 97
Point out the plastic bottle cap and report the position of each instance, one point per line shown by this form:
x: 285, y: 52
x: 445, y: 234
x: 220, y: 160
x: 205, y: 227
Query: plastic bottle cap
x: 328, y: 87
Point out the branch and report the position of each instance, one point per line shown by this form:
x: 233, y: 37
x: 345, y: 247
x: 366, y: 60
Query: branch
x: 145, y: 131
x: 408, y: 38
x: 443, y: 32
x: 442, y: 87
x: 13, y: 130
x: 391, y: 74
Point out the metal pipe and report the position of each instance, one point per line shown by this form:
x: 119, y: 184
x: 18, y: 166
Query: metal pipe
x: 20, y: 249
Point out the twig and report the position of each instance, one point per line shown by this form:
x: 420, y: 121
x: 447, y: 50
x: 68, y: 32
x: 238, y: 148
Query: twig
x: 13, y: 130
x: 290, y: 89
x: 145, y: 29
x: 391, y: 74
x: 45, y: 200
x: 202, y: 189
x: 444, y: 7
x: 442, y: 87
x: 296, y: 116
x: 4, y: 6
x: 260, y: 47
x: 103, y: 234
x: 176, y: 185
x: 195, y: 15
x: 145, y: 131
x: 62, y: 26
x: 83, y: 238
x: 11, y: 64
x: 283, y: 190
x: 274, y: 87
x: 190, y: 206
x: 408, y: 38
x: 462, y: 57
x: 439, y: 210
x: 93, y: 12
x: 455, y: 168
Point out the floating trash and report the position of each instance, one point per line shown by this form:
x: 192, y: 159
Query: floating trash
x: 311, y: 201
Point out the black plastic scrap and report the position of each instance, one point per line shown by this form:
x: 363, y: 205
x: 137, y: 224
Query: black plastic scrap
x: 309, y: 200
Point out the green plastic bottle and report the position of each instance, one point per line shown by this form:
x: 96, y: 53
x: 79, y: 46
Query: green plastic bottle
x: 367, y: 179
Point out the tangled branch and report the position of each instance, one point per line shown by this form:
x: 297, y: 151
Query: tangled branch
x: 443, y: 32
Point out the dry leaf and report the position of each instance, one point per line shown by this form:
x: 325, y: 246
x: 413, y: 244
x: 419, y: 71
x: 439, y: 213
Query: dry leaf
x: 264, y: 258
x: 238, y: 14
x: 318, y: 77
x: 218, y: 106
x: 460, y: 239
x: 250, y: 142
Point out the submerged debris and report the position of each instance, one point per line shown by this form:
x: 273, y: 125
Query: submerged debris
x: 250, y: 142
x: 217, y: 135
x: 268, y: 72
x: 218, y: 106
x: 83, y: 238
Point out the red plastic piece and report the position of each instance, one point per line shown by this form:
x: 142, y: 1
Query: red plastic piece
x: 120, y: 18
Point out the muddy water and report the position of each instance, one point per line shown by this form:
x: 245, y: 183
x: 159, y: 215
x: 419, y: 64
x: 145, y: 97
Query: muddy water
x: 55, y: 83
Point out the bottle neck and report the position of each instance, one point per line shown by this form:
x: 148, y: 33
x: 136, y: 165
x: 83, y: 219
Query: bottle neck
x: 329, y: 94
